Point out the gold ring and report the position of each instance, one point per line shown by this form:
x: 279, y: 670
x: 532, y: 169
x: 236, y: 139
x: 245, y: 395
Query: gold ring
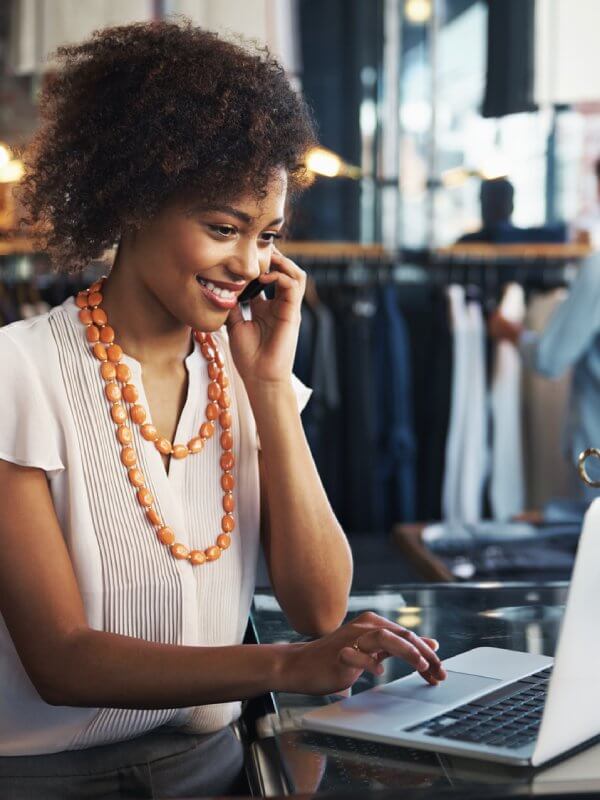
x: 356, y: 647
x: 583, y: 474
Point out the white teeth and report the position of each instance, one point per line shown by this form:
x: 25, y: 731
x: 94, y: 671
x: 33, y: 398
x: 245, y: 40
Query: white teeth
x: 226, y: 294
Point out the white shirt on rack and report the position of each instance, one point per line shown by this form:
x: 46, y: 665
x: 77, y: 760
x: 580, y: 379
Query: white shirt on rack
x: 54, y: 416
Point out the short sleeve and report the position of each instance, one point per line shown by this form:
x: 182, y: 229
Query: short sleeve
x: 29, y: 432
x: 302, y: 393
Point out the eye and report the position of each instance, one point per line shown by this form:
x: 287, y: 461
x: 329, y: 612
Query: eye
x: 270, y: 236
x: 223, y: 230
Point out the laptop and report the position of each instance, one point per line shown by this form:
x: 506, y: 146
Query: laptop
x: 497, y: 705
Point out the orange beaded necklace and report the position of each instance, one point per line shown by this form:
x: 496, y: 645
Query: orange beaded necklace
x: 101, y: 337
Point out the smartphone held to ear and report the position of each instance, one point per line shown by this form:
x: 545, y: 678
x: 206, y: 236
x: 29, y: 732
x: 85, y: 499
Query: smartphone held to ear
x: 251, y: 291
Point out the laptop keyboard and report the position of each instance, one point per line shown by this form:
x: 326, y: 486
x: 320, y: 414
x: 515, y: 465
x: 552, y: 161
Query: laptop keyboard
x: 509, y: 717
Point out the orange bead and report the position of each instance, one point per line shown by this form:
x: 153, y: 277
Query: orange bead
x: 94, y: 299
x: 144, y: 497
x: 200, y: 336
x: 130, y: 393
x: 123, y: 373
x: 207, y: 351
x: 128, y: 457
x: 225, y: 420
x: 107, y: 334
x: 136, y: 478
x: 223, y: 380
x: 81, y: 301
x: 149, y: 433
x: 227, y: 461
x: 85, y: 316
x: 138, y: 414
x: 224, y: 400
x: 96, y: 286
x: 226, y: 440
x: 166, y: 535
x: 210, y: 340
x: 213, y: 371
x: 179, y: 551
x: 100, y: 351
x: 180, y: 451
x: 114, y: 353
x: 212, y: 411
x: 112, y: 392
x: 195, y: 445
x: 163, y: 445
x: 214, y: 391
x: 227, y: 482
x: 227, y: 523
x: 153, y: 518
x: 92, y: 334
x: 223, y: 541
x: 118, y: 413
x: 99, y: 316
x: 197, y: 557
x: 228, y: 503
x: 108, y: 371
x: 206, y: 430
x: 124, y: 434
x: 219, y: 360
x: 212, y: 553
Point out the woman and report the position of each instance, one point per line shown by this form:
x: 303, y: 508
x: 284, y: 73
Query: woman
x: 142, y: 421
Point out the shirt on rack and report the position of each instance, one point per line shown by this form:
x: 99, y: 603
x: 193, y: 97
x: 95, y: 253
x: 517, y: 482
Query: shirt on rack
x: 572, y: 339
x: 54, y: 416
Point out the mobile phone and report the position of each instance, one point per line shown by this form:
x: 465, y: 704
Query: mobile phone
x: 253, y: 289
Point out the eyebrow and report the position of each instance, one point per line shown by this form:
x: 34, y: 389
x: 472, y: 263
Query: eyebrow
x: 235, y: 212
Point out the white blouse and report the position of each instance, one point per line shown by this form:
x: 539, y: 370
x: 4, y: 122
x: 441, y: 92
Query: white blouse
x: 54, y: 416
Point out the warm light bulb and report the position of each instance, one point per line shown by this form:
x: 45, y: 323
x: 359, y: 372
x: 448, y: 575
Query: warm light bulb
x: 323, y: 162
x: 12, y: 171
x: 5, y: 155
x: 418, y: 11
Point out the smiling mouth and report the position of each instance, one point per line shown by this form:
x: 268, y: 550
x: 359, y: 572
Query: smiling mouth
x: 225, y: 294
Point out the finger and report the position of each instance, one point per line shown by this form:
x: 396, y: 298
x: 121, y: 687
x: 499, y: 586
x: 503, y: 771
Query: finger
x: 279, y: 263
x: 286, y: 286
x: 395, y: 645
x: 235, y: 317
x: 433, y: 643
x: 377, y: 622
x: 356, y: 659
x: 437, y: 670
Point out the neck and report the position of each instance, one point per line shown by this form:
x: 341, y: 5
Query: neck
x: 143, y: 327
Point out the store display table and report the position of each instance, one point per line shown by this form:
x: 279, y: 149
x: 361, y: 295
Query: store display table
x: 283, y: 758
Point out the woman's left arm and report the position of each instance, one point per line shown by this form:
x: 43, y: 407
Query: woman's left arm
x: 308, y: 556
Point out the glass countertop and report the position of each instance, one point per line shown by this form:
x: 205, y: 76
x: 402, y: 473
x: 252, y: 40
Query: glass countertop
x: 519, y: 616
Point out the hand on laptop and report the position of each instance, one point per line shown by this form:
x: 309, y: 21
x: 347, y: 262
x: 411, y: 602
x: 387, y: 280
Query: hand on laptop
x: 337, y: 660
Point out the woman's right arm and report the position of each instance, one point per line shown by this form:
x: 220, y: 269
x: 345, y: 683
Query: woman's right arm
x: 71, y: 664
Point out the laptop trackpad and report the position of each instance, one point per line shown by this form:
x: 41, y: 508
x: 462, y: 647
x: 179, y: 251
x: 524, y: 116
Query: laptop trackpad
x: 456, y: 688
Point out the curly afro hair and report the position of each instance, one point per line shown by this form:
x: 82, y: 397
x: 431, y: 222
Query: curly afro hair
x: 141, y: 114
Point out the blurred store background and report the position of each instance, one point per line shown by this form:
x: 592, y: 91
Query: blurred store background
x: 458, y: 175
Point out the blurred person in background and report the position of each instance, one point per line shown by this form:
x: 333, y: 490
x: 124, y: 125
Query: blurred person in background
x: 497, y: 204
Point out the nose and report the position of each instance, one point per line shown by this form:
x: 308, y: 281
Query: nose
x: 246, y: 262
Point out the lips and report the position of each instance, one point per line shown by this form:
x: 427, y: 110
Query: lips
x: 221, y: 294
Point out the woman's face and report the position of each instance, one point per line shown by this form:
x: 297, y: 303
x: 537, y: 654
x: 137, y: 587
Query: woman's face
x: 196, y: 258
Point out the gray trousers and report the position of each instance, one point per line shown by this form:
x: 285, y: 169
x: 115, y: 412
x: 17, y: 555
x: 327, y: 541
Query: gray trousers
x: 163, y: 763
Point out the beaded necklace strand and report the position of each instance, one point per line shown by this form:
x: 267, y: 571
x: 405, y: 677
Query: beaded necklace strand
x: 101, y: 338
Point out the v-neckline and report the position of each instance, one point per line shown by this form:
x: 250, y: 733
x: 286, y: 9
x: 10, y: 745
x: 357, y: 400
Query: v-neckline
x: 136, y: 369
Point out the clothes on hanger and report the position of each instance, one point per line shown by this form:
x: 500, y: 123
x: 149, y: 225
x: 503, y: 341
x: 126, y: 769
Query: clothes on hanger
x: 507, y: 479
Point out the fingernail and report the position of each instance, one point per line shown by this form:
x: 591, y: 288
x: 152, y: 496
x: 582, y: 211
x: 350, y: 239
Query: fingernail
x: 436, y: 644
